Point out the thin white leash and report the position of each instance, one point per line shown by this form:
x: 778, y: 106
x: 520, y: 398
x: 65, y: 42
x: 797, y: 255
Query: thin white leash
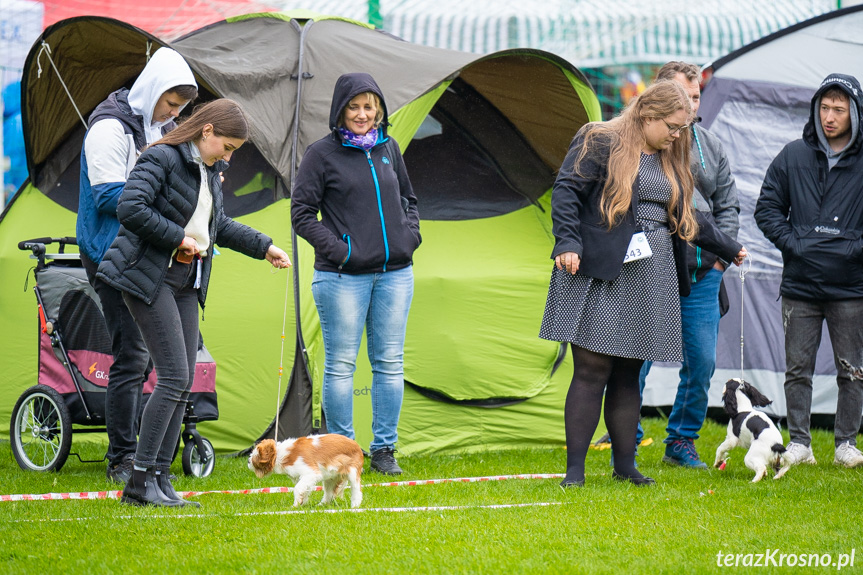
x: 744, y: 268
x: 281, y: 353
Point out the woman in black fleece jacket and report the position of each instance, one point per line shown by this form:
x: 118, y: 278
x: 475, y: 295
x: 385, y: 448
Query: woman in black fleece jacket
x: 364, y: 243
x: 171, y: 214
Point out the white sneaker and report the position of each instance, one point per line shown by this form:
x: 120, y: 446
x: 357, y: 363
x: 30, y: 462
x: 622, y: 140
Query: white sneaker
x: 799, y: 453
x: 848, y: 455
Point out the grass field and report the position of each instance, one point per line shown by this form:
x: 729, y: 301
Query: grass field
x: 513, y: 526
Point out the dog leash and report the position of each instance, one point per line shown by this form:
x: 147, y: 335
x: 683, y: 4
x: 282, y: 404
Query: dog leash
x: 282, y: 354
x: 743, y: 269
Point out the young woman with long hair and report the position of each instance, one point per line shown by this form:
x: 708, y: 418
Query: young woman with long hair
x: 622, y: 214
x: 171, y: 214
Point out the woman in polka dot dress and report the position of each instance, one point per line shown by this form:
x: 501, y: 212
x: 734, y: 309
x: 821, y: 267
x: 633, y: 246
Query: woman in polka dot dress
x: 624, y: 191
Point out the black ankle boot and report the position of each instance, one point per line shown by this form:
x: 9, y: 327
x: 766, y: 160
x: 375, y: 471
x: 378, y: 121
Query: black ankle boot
x: 573, y: 479
x: 164, y: 482
x: 142, y: 489
x: 640, y: 480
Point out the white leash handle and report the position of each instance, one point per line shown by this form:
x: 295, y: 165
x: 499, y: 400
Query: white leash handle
x: 744, y: 268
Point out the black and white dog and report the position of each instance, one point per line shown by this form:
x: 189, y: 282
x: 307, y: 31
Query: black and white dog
x: 752, y: 430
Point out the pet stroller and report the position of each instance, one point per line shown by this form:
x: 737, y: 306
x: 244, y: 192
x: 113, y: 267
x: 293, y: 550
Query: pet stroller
x: 74, y: 359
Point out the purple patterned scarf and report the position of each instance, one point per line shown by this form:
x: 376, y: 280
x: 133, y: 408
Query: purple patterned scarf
x: 367, y: 141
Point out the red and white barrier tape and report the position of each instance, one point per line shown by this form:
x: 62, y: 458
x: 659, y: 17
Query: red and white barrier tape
x: 116, y: 494
x: 53, y: 496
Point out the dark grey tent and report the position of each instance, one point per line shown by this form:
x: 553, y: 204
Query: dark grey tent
x: 483, y: 138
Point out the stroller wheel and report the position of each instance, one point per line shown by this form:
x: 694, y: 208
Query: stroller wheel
x: 196, y: 463
x: 40, y: 430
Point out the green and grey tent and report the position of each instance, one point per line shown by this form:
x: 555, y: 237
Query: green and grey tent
x: 482, y: 137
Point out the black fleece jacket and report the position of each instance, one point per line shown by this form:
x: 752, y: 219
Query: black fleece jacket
x: 369, y: 219
x: 814, y: 214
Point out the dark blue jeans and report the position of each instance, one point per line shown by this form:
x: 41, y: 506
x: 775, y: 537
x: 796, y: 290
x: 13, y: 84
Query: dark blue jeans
x: 128, y: 372
x: 170, y: 328
x: 803, y: 321
x: 699, y: 322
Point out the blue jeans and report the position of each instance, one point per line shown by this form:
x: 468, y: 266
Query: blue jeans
x: 170, y: 328
x: 699, y: 322
x: 378, y: 302
x: 699, y: 319
x: 803, y: 321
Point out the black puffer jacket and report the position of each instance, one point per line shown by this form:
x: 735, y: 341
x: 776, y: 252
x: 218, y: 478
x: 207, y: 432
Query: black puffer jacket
x: 158, y: 201
x: 367, y: 204
x: 814, y: 214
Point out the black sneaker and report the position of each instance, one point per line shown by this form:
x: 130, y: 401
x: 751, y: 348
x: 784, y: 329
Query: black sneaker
x: 384, y: 462
x: 121, y: 472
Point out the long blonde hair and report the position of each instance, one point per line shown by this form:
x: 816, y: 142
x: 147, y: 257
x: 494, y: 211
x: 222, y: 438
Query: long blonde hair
x: 625, y: 139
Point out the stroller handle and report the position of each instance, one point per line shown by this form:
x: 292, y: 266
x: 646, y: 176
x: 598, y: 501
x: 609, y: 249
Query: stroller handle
x: 34, y: 244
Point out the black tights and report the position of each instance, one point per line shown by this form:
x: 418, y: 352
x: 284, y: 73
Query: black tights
x: 618, y: 377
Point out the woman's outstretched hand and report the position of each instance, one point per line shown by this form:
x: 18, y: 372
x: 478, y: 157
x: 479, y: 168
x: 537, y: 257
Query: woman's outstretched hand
x: 278, y: 257
x: 741, y: 255
x: 568, y: 262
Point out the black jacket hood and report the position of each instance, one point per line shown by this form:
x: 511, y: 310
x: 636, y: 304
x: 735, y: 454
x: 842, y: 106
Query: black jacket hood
x: 850, y: 86
x: 347, y: 87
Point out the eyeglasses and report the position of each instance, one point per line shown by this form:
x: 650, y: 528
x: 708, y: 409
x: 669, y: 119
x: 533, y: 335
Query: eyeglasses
x: 674, y: 131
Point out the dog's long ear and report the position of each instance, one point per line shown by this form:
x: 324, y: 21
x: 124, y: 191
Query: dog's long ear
x: 756, y: 397
x: 267, y: 453
x: 729, y: 397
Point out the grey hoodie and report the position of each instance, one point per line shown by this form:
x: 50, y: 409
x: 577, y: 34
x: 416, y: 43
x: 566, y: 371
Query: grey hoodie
x: 833, y: 156
x: 715, y: 195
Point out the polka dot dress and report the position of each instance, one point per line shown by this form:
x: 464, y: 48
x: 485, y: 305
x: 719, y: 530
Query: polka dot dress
x: 636, y: 315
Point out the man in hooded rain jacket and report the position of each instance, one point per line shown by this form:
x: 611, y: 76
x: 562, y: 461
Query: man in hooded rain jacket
x: 811, y: 208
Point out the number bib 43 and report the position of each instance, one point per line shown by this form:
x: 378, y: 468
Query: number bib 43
x: 638, y: 248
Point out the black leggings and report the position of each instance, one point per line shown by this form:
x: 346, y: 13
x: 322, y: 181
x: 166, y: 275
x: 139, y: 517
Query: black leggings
x: 594, y: 374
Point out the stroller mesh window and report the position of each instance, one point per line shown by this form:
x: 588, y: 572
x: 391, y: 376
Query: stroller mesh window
x: 81, y: 323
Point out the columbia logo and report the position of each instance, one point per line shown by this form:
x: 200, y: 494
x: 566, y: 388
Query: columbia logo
x: 385, y: 160
x: 827, y: 230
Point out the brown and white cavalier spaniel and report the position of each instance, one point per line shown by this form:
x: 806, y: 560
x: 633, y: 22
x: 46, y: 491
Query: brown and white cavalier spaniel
x: 330, y: 459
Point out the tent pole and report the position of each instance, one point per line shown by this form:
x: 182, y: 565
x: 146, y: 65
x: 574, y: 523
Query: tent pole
x: 301, y: 344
